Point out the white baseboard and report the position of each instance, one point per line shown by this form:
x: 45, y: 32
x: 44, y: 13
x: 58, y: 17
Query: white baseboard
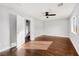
x: 13, y: 45
x: 4, y: 49
x: 74, y: 46
x: 55, y: 35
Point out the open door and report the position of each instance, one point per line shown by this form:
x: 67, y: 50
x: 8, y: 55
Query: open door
x: 20, y: 30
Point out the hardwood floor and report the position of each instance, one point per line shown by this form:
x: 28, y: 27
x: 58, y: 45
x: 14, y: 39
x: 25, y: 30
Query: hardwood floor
x: 61, y: 46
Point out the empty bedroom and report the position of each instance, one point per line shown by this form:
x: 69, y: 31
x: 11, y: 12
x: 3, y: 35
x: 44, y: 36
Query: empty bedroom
x: 39, y: 29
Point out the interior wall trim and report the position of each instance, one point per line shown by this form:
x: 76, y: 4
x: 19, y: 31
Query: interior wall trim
x: 74, y: 46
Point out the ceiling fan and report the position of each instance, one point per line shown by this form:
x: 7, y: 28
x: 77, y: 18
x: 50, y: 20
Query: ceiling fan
x: 47, y: 14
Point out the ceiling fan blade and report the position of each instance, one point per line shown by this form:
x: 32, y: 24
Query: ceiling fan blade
x: 51, y: 14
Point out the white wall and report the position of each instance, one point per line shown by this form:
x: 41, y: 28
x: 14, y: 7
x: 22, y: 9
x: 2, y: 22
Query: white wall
x: 74, y: 36
x: 4, y: 29
x: 58, y: 27
x: 37, y: 28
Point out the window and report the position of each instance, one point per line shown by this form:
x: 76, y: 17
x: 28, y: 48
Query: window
x: 75, y: 24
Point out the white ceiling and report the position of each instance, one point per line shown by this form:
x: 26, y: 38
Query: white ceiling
x: 37, y: 10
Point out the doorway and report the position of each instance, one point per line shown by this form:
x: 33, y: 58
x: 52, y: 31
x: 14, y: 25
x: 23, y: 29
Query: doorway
x: 27, y: 31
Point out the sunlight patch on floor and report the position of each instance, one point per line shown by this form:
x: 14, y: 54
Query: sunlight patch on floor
x: 39, y: 45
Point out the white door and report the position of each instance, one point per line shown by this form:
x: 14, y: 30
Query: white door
x: 20, y: 30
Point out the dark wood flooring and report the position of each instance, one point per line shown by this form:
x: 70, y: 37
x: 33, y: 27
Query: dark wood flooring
x: 61, y: 46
